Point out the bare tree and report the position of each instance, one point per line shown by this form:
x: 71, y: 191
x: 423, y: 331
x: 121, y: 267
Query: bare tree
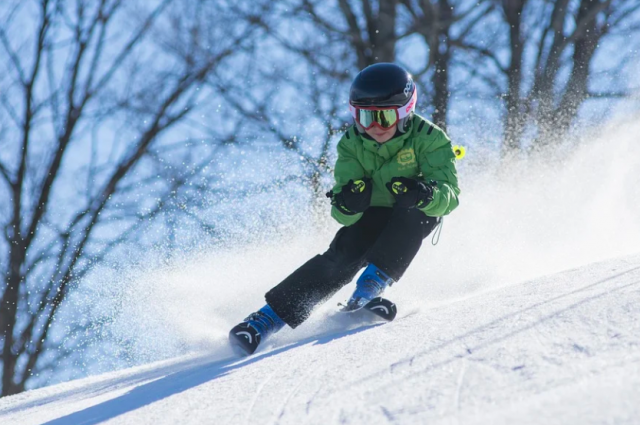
x: 444, y: 25
x: 371, y: 29
x: 335, y: 39
x: 297, y: 96
x: 543, y: 96
x: 90, y: 102
x: 324, y: 55
x: 314, y: 74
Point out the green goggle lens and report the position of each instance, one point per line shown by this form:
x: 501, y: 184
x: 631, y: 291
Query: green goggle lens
x: 385, y: 118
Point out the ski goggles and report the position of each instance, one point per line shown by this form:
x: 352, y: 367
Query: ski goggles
x: 383, y: 117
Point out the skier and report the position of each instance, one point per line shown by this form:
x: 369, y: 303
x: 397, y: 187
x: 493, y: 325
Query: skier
x: 395, y: 178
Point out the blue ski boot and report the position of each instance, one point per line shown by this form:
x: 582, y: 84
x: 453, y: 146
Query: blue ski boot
x: 246, y: 336
x: 371, y: 284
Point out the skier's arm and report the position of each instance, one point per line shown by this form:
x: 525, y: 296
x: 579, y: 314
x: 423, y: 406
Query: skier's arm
x: 347, y: 168
x: 437, y: 163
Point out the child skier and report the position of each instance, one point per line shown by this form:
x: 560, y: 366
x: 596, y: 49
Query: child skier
x: 395, y: 178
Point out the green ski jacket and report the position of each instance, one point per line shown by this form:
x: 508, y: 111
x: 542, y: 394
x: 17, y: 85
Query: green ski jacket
x: 424, y: 152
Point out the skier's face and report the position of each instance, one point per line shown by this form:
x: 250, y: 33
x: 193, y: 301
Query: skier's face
x: 381, y: 135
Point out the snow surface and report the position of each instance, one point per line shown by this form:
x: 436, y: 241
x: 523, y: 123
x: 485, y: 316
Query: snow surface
x: 560, y: 349
x: 527, y: 312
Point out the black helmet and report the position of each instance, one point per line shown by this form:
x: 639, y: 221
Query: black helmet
x: 385, y: 84
x: 382, y: 84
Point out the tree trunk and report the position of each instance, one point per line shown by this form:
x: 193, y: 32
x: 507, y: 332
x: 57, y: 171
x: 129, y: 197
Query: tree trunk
x: 513, y: 124
x: 584, y: 48
x: 384, y: 32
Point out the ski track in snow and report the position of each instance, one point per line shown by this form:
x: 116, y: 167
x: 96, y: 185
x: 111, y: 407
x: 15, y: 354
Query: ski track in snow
x: 561, y: 349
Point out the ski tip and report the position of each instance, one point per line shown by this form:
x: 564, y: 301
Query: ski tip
x: 244, y: 340
x: 382, y: 308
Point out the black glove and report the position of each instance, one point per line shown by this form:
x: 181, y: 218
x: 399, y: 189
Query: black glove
x: 410, y: 193
x: 354, y: 198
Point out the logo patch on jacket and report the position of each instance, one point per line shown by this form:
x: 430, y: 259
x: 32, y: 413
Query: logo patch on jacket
x: 406, y: 157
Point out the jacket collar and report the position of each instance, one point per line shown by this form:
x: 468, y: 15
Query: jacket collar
x: 388, y: 149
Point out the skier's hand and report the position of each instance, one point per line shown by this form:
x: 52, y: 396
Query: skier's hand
x: 410, y: 193
x: 354, y: 198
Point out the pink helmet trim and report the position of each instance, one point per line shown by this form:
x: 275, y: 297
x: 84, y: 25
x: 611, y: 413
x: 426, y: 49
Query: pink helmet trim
x: 410, y: 106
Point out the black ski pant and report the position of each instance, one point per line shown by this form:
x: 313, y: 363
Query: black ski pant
x: 387, y: 237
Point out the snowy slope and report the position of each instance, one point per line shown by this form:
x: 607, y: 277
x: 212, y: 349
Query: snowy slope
x: 492, y: 327
x: 561, y: 349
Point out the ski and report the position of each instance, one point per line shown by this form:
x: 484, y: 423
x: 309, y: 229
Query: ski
x: 380, y: 307
x: 383, y: 308
x: 244, y: 339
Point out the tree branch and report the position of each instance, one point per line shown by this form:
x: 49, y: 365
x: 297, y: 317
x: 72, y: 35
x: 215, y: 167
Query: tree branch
x: 13, y: 56
x: 476, y: 20
x: 309, y: 7
x: 627, y: 94
x: 354, y: 32
x: 482, y: 51
x: 5, y: 173
x: 586, y: 20
x: 74, y: 112
x: 126, y: 51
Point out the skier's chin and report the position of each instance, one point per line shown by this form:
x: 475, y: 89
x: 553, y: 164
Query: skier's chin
x: 380, y: 135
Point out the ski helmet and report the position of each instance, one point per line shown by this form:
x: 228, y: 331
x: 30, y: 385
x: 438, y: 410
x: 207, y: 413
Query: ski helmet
x: 384, y: 84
